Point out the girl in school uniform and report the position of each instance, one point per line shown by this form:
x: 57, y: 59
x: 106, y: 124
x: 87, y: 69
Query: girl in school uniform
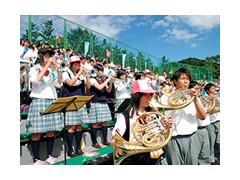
x: 99, y: 112
x: 75, y: 81
x: 45, y: 77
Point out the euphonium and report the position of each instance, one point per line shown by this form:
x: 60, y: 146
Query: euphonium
x: 207, y: 102
x: 175, y: 100
x: 150, y: 133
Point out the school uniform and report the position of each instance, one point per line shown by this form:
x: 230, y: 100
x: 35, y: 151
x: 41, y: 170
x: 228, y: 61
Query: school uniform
x: 43, y: 94
x: 203, y: 137
x: 183, y: 146
x: 80, y: 116
x: 99, y: 111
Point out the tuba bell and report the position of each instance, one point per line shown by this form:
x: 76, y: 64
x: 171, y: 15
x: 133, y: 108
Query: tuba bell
x: 175, y: 100
x: 150, y: 134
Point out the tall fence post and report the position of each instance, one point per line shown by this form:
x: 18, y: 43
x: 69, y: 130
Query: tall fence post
x: 65, y: 34
x: 30, y: 28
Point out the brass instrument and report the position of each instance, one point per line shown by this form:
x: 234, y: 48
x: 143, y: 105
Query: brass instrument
x: 216, y: 108
x: 176, y: 100
x: 64, y: 66
x: 207, y: 102
x: 150, y: 133
x: 24, y: 69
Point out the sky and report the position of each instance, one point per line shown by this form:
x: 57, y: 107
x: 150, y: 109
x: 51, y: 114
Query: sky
x: 176, y: 37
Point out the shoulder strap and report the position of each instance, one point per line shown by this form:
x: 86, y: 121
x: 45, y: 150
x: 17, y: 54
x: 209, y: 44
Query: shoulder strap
x: 126, y: 134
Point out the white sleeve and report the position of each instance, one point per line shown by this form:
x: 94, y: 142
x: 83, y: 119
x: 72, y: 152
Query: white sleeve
x: 65, y: 76
x: 92, y: 81
x: 120, y: 125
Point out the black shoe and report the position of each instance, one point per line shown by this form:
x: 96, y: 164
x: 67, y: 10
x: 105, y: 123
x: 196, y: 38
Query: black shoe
x: 79, y: 152
x: 72, y: 154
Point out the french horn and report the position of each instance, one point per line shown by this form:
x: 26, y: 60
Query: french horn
x: 150, y: 133
x: 207, y: 102
x: 216, y: 107
x: 175, y: 100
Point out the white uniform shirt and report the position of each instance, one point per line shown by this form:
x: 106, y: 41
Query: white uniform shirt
x: 46, y: 87
x: 215, y: 117
x: 120, y: 125
x: 185, y: 119
x: 205, y: 122
x: 122, y: 89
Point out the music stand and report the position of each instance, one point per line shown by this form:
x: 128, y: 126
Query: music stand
x: 67, y: 104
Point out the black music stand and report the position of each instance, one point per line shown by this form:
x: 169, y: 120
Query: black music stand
x: 67, y: 104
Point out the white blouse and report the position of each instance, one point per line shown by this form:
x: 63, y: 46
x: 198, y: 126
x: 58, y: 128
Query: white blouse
x: 46, y: 88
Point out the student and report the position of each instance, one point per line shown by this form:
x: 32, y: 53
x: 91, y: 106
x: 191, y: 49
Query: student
x: 141, y: 94
x: 44, y: 77
x: 99, y: 112
x: 75, y: 80
x: 214, y: 133
x: 202, y: 133
x: 181, y: 150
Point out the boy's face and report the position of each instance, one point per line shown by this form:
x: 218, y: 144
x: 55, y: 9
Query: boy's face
x: 182, y: 82
x: 212, y: 90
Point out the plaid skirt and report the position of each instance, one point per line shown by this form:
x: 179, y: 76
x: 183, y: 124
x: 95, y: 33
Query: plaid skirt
x: 77, y: 117
x: 118, y: 103
x: 45, y: 123
x: 99, y: 112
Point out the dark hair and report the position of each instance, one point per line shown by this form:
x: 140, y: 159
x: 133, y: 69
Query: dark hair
x: 193, y: 83
x: 208, y: 86
x: 99, y: 67
x: 134, y: 103
x: 179, y: 72
x: 138, y: 75
x: 120, y: 72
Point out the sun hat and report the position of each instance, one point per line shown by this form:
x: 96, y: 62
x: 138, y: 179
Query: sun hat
x: 74, y: 59
x: 161, y: 79
x: 141, y: 86
x: 147, y: 71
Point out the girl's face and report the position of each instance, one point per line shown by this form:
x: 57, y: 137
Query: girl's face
x: 145, y: 99
x: 123, y: 76
x: 182, y: 82
x: 76, y: 66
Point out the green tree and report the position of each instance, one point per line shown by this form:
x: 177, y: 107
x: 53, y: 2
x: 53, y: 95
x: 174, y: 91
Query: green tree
x: 35, y: 34
x: 46, y: 30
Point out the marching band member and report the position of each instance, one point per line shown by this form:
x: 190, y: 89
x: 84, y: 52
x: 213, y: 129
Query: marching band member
x: 122, y: 88
x: 202, y: 133
x: 141, y: 94
x: 181, y: 150
x: 44, y: 80
x: 99, y: 111
x: 214, y: 132
x: 75, y: 80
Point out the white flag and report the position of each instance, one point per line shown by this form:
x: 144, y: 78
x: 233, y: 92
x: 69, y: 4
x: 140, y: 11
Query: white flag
x: 123, y: 60
x: 86, y: 47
